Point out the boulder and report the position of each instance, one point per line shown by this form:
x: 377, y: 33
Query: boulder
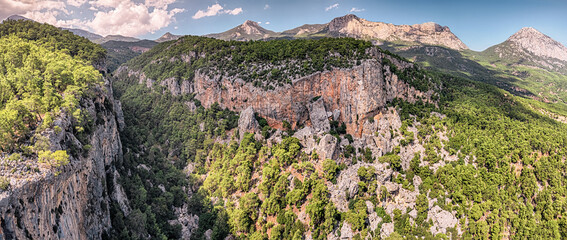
x: 442, y: 220
x: 327, y: 148
x: 247, y: 122
x: 318, y: 116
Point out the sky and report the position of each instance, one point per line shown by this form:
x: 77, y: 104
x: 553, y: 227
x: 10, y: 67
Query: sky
x: 479, y: 24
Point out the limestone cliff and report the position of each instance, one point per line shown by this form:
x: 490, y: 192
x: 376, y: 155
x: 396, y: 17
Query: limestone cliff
x: 73, y: 201
x: 356, y: 93
x: 351, y: 94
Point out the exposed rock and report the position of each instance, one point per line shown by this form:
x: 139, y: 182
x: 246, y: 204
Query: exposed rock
x: 327, y: 148
x: 208, y: 234
x: 189, y: 222
x: 74, y: 203
x: 119, y: 196
x: 318, y: 117
x: 247, y: 122
x: 441, y: 220
x: 374, y: 220
x: 539, y: 44
x: 346, y: 231
x: 305, y: 136
x: 386, y: 230
x: 426, y: 33
x: 357, y: 93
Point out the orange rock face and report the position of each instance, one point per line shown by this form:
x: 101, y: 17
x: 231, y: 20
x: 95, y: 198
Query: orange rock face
x: 358, y: 93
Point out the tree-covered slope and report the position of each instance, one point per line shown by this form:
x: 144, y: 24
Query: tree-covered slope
x: 44, y: 73
x: 476, y: 163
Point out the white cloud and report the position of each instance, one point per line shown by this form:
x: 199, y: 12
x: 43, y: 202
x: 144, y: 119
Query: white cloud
x: 159, y: 3
x: 76, y: 3
x: 107, y: 3
x: 235, y: 11
x: 267, y: 23
x: 131, y: 19
x: 124, y: 17
x: 336, y: 5
x: 23, y: 7
x: 214, y: 10
x: 357, y: 10
x: 266, y: 7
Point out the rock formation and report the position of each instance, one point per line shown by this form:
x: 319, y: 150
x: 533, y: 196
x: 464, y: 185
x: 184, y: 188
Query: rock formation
x: 71, y: 202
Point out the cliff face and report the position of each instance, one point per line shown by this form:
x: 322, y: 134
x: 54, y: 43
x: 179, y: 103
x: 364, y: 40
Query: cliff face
x: 71, y: 202
x: 426, y: 33
x: 352, y: 94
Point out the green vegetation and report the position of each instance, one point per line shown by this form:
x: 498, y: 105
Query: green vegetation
x: 265, y: 63
x: 53, y: 37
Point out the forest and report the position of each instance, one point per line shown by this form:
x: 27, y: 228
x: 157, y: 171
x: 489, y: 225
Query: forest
x: 42, y: 78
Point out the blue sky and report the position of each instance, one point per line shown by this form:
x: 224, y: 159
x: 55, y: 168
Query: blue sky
x: 479, y: 24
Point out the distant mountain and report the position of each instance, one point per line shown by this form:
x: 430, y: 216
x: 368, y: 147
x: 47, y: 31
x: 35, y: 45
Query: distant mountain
x: 83, y: 33
x: 249, y: 30
x: 115, y: 38
x: 120, y: 52
x: 530, y: 47
x: 168, y: 37
x: 17, y: 17
x: 352, y: 26
x: 304, y: 30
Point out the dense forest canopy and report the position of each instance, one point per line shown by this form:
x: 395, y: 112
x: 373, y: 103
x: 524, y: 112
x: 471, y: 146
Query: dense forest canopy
x: 52, y: 37
x: 44, y: 71
x: 277, y: 61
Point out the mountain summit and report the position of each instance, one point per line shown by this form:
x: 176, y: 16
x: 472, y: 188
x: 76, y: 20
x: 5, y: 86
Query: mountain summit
x: 427, y: 33
x: 353, y: 26
x: 168, y: 37
x: 249, y: 30
x: 538, y: 43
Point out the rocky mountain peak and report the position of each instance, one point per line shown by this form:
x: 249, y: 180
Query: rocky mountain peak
x: 167, y: 37
x: 341, y: 22
x: 251, y: 27
x: 541, y: 45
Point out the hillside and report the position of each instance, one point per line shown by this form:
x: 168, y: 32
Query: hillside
x: 338, y: 149
x: 120, y: 52
x: 249, y: 30
x: 59, y: 138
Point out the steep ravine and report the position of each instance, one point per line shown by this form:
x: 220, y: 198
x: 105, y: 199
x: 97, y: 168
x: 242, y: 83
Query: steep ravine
x: 71, y: 202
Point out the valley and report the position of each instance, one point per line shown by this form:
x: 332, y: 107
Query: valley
x: 351, y: 129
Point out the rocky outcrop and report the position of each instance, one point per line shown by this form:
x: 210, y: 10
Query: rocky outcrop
x: 441, y: 219
x: 539, y: 44
x: 354, y: 95
x: 318, y: 116
x: 425, y: 33
x: 247, y: 122
x: 71, y: 202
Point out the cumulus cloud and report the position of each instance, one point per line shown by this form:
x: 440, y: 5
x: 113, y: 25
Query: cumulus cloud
x: 357, y: 9
x: 266, y: 7
x: 214, y: 10
x: 123, y: 17
x: 267, y: 23
x: 132, y: 19
x: 76, y: 3
x: 336, y: 5
x: 24, y: 7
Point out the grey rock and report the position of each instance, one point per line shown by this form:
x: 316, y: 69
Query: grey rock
x: 327, y: 148
x: 442, y: 220
x: 305, y: 136
x: 346, y: 231
x: 386, y: 230
x: 318, y: 116
x: 247, y: 122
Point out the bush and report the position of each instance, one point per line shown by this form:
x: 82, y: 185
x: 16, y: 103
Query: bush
x: 4, y: 183
x: 54, y: 159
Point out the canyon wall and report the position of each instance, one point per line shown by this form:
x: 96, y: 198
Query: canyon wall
x: 73, y: 201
